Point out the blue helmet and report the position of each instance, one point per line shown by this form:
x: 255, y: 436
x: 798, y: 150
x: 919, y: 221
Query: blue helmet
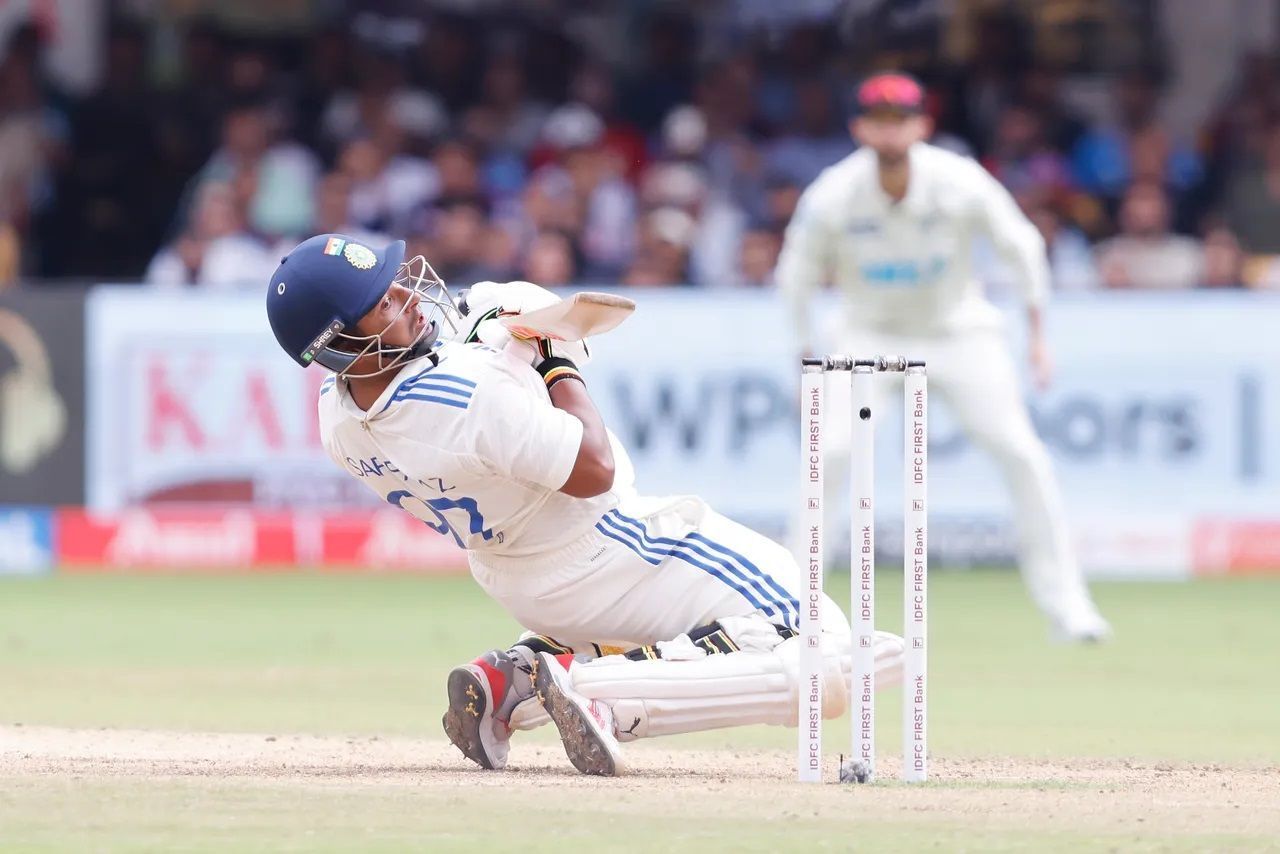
x: 330, y: 281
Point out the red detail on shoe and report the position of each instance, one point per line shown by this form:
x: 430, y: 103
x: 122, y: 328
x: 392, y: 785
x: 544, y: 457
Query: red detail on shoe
x: 565, y: 660
x: 497, y: 682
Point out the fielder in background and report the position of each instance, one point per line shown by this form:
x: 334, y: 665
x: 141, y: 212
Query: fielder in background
x: 645, y: 616
x: 892, y: 226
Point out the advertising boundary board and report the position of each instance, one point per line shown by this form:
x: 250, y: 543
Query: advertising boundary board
x: 195, y: 539
x: 1165, y: 411
x: 42, y: 394
x: 26, y: 540
x: 36, y: 540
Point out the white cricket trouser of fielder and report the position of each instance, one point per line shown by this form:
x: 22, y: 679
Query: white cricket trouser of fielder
x: 656, y: 569
x: 973, y: 373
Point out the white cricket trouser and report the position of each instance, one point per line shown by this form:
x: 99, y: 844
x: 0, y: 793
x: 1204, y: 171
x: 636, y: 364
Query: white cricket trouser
x: 973, y: 373
x: 649, y: 571
x: 655, y: 569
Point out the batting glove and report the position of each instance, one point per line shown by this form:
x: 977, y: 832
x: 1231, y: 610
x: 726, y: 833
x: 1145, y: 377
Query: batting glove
x: 483, y: 304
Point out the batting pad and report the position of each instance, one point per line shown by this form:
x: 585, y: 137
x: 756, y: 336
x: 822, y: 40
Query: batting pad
x: 661, y: 697
x: 529, y: 714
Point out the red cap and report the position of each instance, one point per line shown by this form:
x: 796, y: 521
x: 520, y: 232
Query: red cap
x: 894, y: 90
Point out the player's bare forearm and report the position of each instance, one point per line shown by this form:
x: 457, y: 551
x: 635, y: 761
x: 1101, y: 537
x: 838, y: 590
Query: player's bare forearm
x: 593, y: 470
x: 1038, y: 349
x: 1035, y: 321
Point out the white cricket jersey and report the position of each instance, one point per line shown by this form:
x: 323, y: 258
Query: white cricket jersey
x: 906, y: 267
x: 471, y: 446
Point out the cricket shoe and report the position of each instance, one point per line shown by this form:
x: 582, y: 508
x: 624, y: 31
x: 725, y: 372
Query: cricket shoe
x: 1081, y: 626
x: 586, y: 726
x: 476, y: 690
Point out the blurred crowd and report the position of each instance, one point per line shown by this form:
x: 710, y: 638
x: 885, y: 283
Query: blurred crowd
x: 508, y: 150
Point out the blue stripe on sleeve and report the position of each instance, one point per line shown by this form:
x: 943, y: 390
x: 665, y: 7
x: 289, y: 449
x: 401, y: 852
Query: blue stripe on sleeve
x: 460, y: 393
x: 444, y: 378
x: 433, y: 387
x: 447, y: 401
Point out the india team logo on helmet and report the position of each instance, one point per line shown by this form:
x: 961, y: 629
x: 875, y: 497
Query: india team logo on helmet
x: 361, y: 257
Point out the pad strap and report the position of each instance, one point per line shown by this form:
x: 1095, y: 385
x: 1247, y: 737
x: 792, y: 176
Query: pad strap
x: 712, y: 639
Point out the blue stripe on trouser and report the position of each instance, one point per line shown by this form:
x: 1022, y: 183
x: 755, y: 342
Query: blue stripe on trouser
x: 748, y: 573
x: 781, y: 600
x: 655, y: 556
x: 768, y: 579
x: 763, y: 600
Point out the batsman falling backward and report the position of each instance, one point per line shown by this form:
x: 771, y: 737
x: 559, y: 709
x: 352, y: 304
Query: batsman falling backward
x: 915, y: 567
x: 644, y: 616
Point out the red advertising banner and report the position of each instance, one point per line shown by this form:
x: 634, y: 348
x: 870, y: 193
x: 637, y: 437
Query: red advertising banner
x: 170, y: 539
x: 1236, y: 546
x: 192, y: 538
x: 387, y: 541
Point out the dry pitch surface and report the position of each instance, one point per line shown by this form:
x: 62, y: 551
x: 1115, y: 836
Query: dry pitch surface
x: 115, y: 680
x: 84, y: 787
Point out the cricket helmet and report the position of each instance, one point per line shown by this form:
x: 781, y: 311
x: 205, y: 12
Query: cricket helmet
x: 328, y: 282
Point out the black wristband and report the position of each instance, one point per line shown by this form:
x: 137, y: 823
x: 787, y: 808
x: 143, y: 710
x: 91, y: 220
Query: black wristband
x: 556, y: 368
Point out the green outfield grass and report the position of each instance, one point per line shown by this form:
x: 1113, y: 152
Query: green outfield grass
x: 1190, y: 677
x: 1190, y: 674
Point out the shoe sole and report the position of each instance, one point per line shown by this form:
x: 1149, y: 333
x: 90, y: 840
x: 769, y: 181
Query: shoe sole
x: 467, y: 705
x: 581, y: 743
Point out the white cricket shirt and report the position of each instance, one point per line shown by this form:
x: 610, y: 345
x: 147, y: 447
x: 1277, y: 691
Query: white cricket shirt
x: 471, y: 446
x: 906, y: 267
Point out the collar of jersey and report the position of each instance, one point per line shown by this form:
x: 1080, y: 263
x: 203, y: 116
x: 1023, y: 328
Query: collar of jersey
x: 409, y: 372
x: 914, y: 201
